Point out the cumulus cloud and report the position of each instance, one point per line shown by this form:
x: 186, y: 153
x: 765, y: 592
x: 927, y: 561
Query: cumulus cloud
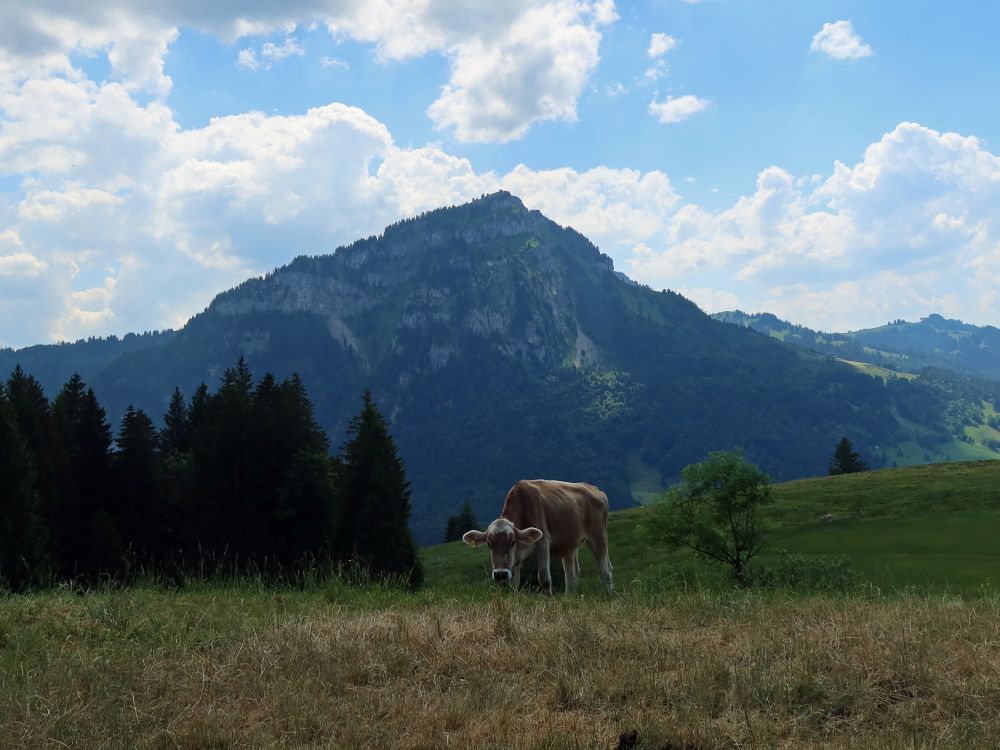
x: 21, y: 264
x: 247, y: 58
x: 676, y: 109
x: 906, y: 231
x: 123, y: 220
x: 840, y: 41
x: 512, y: 64
x: 660, y: 44
x: 269, y: 53
x: 534, y: 72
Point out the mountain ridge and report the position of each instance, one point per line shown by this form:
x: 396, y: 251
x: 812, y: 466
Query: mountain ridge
x: 933, y: 341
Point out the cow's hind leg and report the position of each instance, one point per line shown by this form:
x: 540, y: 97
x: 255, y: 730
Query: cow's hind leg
x: 543, y: 558
x: 599, y: 546
x: 571, y: 569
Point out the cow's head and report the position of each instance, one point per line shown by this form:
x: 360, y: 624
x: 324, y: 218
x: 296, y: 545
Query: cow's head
x: 504, y: 539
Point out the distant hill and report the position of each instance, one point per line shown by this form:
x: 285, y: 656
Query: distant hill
x: 934, y: 341
x: 501, y: 345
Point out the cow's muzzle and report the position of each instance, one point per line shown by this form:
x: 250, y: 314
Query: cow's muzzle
x: 501, y: 575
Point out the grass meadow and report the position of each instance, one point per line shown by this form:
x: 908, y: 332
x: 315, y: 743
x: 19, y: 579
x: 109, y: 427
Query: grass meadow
x: 908, y: 656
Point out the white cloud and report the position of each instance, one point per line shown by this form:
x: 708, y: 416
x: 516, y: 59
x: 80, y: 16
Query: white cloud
x: 616, y: 208
x: 908, y: 230
x: 21, y: 264
x: 154, y: 220
x: 840, y: 41
x: 333, y: 62
x: 290, y: 48
x: 512, y: 64
x: 535, y: 71
x: 269, y: 53
x: 675, y: 109
x: 247, y: 58
x: 125, y: 221
x: 710, y: 300
x: 660, y: 44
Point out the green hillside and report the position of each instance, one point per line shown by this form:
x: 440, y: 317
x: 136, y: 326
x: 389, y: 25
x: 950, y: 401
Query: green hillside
x: 933, y: 526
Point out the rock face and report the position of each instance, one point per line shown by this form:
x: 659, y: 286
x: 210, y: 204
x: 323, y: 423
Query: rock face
x: 489, y: 268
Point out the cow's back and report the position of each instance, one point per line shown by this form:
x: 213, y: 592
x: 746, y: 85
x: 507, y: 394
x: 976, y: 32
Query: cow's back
x: 566, y: 512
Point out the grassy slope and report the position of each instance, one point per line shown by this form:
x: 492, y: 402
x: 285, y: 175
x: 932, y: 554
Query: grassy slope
x: 931, y: 525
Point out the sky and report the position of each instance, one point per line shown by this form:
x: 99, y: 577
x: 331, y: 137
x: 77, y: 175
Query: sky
x: 833, y: 163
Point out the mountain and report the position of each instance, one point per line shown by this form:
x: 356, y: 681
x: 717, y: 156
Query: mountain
x: 934, y: 341
x: 501, y: 345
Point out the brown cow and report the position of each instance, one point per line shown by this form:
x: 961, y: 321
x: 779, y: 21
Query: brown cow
x: 546, y: 518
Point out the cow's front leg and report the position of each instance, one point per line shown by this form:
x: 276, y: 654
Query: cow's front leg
x: 516, y: 580
x: 544, y: 569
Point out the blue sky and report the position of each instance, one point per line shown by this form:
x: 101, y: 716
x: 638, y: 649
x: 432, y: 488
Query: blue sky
x: 832, y: 162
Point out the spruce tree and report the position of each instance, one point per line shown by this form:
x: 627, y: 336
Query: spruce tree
x: 139, y: 510
x: 293, y: 458
x: 22, y: 538
x: 845, y: 460
x: 175, y: 436
x: 35, y: 422
x: 226, y: 521
x: 85, y: 486
x: 374, y: 501
x: 459, y: 523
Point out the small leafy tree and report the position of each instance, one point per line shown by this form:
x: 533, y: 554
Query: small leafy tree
x: 715, y: 511
x: 845, y: 460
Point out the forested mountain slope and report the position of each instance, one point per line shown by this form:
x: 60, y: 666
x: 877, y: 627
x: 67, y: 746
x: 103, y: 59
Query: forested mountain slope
x: 502, y: 346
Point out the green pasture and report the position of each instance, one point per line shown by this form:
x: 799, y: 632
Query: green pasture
x: 933, y: 527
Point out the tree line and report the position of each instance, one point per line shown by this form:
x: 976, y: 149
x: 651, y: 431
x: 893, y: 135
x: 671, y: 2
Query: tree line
x: 239, y: 479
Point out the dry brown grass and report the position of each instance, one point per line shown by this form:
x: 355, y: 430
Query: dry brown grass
x: 250, y: 669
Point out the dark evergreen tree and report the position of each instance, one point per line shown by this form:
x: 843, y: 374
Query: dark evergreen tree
x: 303, y: 516
x: 374, y: 502
x: 459, y: 523
x: 293, y: 468
x: 226, y: 524
x: 180, y: 501
x: 139, y: 510
x: 197, y: 412
x: 85, y: 437
x: 34, y: 420
x: 845, y: 460
x: 175, y: 436
x: 22, y: 539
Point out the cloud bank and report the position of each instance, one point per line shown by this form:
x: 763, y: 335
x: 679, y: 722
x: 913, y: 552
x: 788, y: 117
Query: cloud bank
x: 123, y: 220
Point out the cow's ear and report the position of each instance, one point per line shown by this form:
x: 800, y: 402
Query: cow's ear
x: 530, y: 535
x: 474, y: 538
